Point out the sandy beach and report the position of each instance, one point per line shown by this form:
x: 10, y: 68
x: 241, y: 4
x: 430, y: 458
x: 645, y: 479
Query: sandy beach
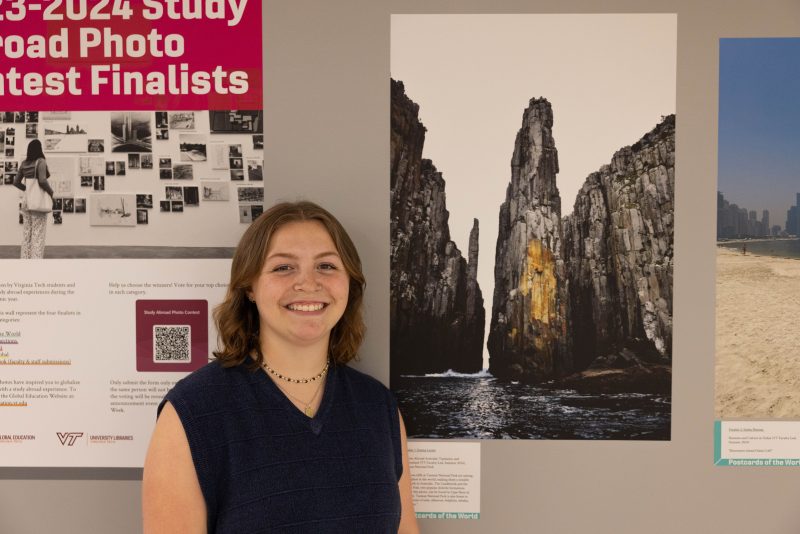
x: 757, y: 336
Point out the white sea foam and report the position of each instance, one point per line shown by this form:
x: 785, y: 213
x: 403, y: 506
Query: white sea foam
x: 483, y: 373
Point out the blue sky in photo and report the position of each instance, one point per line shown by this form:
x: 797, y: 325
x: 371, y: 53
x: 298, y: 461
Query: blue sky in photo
x: 759, y: 124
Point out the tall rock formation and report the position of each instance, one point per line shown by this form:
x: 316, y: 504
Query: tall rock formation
x: 437, y: 315
x: 528, y: 331
x: 618, y: 247
x: 593, y: 291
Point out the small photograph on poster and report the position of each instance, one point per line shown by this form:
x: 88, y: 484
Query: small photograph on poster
x: 173, y: 192
x: 531, y: 282
x: 251, y: 121
x: 91, y: 165
x: 191, y: 195
x: 215, y: 190
x: 245, y: 214
x: 183, y: 172
x: 758, y: 233
x: 181, y: 120
x: 193, y: 147
x: 218, y: 155
x: 112, y: 210
x: 255, y: 170
x: 162, y: 119
x: 144, y: 200
x: 131, y: 132
x: 64, y: 137
x: 56, y: 115
x: 251, y: 194
x: 63, y: 173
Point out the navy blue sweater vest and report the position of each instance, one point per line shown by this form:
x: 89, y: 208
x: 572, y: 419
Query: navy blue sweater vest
x: 264, y: 466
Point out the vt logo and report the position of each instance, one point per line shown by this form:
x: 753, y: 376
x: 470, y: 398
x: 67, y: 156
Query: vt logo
x: 68, y: 438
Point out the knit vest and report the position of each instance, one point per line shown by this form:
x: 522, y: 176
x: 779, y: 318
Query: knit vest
x: 264, y: 466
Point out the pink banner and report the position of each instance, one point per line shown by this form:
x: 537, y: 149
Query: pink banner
x: 130, y: 54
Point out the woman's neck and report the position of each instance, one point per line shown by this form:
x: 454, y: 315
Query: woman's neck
x: 294, y: 361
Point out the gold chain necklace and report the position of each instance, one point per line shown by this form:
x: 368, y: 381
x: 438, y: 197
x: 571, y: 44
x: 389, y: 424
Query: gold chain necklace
x: 314, y: 378
x: 307, y: 410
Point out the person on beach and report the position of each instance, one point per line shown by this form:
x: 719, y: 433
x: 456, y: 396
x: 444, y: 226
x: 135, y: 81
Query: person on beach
x: 278, y: 433
x: 744, y: 249
x: 34, y: 224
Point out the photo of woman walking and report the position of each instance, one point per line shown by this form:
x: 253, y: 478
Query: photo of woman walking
x: 32, y: 179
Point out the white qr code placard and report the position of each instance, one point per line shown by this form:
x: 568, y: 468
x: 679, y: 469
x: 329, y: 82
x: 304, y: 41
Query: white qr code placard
x: 172, y: 343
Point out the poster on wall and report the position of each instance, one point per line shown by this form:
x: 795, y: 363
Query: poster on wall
x: 757, y: 408
x: 532, y: 187
x: 105, y: 302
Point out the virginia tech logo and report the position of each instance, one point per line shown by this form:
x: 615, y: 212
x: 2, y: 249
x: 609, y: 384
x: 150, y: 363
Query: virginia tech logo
x: 68, y: 438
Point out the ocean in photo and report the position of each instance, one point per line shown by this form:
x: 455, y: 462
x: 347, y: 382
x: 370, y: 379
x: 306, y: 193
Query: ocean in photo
x: 779, y: 248
x: 479, y: 406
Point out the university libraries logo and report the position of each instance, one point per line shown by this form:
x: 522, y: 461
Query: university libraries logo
x: 68, y: 438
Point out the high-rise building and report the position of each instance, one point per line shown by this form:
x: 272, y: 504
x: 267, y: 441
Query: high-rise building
x: 791, y: 221
x: 765, y: 228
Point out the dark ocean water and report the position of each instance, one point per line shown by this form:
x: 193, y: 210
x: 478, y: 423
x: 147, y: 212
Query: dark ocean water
x: 783, y: 248
x: 482, y: 407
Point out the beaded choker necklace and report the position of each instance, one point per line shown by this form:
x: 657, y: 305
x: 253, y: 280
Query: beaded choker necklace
x: 314, y: 378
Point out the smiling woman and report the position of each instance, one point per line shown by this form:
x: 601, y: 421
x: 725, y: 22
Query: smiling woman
x: 278, y: 432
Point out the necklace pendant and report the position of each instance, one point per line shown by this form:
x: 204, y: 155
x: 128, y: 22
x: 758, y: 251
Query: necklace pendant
x: 309, y: 411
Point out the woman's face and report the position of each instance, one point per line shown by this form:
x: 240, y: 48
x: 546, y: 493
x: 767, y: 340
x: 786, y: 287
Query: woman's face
x: 301, y: 292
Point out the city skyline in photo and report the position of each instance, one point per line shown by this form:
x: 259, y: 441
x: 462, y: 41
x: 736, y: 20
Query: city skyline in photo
x: 759, y: 113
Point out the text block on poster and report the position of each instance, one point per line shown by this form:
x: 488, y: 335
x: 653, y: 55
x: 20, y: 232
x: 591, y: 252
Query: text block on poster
x: 446, y: 479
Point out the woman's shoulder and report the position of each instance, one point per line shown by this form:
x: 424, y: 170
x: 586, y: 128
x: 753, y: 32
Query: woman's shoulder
x: 210, y: 378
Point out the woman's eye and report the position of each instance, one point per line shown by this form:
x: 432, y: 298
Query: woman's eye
x: 280, y: 268
x: 327, y: 267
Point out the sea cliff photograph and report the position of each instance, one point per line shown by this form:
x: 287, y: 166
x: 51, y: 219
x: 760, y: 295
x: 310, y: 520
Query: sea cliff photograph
x: 757, y: 372
x: 532, y: 223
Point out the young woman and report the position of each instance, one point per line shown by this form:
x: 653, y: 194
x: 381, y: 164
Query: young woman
x: 278, y: 434
x: 34, y: 224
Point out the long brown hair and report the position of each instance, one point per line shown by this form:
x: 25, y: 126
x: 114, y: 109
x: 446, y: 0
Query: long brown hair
x: 237, y: 317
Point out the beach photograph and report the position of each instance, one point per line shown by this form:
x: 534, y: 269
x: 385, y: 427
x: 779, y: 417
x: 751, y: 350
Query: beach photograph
x: 757, y: 372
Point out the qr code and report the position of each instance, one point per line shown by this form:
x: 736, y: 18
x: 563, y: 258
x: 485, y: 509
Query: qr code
x: 171, y: 343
